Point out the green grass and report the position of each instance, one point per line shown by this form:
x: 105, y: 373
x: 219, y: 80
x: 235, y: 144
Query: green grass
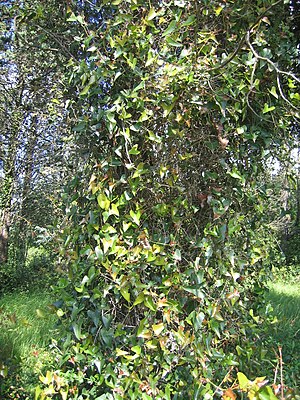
x: 26, y: 328
x: 284, y: 296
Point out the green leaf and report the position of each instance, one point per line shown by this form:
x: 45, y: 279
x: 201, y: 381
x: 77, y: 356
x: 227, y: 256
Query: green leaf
x: 173, y: 42
x: 274, y: 92
x: 99, y: 253
x: 191, y: 19
x: 267, y: 394
x: 134, y: 150
x: 125, y: 294
x: 177, y: 255
x: 111, y: 117
x: 107, y: 336
x: 235, y: 174
x: 143, y: 332
x: 136, y: 349
x: 195, y: 291
x: 150, y: 57
x: 146, y: 114
x: 168, y: 108
x: 149, y: 303
x: 141, y: 85
x: 92, y: 49
x: 267, y: 109
x: 81, y: 20
x: 80, y: 127
x: 38, y: 389
x: 139, y: 299
x: 153, y: 137
x: 77, y: 330
x: 171, y: 28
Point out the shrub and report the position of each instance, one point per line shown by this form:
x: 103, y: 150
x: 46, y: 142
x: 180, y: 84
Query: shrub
x: 37, y: 269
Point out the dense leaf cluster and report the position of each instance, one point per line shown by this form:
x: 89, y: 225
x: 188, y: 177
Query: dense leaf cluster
x: 166, y: 250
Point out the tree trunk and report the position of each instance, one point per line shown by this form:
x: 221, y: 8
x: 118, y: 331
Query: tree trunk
x: 297, y: 222
x: 4, y: 235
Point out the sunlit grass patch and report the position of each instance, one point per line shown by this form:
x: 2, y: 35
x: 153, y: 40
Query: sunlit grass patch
x: 285, y: 299
x: 26, y: 327
x: 26, y: 321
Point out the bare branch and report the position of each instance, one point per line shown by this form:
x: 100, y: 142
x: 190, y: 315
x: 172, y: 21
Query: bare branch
x: 276, y: 69
x: 259, y: 57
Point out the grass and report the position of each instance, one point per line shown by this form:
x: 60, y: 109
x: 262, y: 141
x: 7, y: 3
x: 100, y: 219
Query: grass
x: 284, y: 296
x: 26, y: 328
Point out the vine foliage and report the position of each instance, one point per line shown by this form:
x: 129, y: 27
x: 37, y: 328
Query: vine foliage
x: 166, y: 244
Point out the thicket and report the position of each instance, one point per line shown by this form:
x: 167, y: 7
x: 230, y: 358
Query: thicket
x: 165, y: 245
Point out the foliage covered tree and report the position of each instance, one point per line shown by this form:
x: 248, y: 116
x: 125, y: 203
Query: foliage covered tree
x: 176, y: 109
x: 166, y: 243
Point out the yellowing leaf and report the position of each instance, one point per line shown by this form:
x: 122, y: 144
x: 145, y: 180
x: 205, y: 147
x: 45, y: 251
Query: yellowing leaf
x: 162, y: 303
x: 158, y: 328
x: 131, y: 357
x: 114, y: 210
x: 136, y: 349
x: 64, y: 393
x: 103, y: 201
x: 135, y: 216
x: 266, y: 20
x: 229, y: 395
x: 260, y: 381
x: 40, y: 313
x: 152, y: 14
x: 145, y: 334
x: 151, y: 345
x: 243, y: 380
x: 120, y: 352
x: 218, y: 10
x: 46, y: 380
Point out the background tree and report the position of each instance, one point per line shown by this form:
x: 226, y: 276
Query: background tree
x: 34, y: 146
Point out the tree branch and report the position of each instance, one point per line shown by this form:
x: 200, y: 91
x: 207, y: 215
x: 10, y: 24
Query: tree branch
x: 241, y: 42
